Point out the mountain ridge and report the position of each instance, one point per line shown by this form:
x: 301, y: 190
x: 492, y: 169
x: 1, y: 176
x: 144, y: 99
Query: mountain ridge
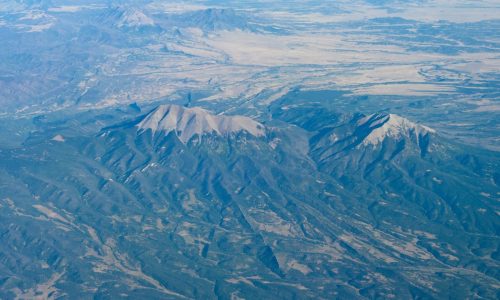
x: 189, y: 122
x: 384, y: 125
x: 123, y: 17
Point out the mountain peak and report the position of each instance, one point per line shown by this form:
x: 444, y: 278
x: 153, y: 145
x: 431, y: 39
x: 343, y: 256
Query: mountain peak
x: 390, y: 125
x: 218, y: 12
x: 188, y: 122
x: 213, y: 19
x: 129, y: 17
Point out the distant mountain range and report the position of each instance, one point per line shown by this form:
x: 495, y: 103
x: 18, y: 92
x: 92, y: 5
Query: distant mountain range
x: 215, y: 19
x: 208, y: 20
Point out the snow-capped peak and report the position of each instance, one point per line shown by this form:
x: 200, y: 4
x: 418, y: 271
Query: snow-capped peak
x: 135, y: 18
x: 129, y: 17
x: 390, y: 125
x: 188, y: 122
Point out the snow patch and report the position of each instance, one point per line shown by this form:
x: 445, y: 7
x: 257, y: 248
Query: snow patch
x: 45, y: 290
x: 51, y: 214
x: 274, y: 143
x: 58, y: 138
x: 74, y: 8
x: 35, y: 15
x: 437, y: 180
x: 40, y: 28
x: 299, y: 267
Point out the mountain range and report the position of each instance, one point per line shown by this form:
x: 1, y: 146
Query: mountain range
x: 184, y: 203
